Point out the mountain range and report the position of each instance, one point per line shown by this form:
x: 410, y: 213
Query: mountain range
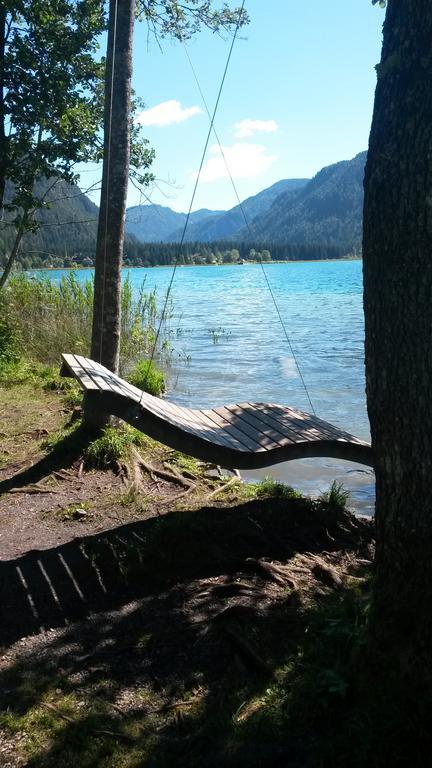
x: 324, y: 210
x: 150, y: 223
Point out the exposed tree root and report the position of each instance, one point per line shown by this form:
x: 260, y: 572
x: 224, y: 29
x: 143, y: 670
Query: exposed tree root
x: 277, y: 573
x: 32, y: 489
x: 221, y: 488
x: 170, y: 477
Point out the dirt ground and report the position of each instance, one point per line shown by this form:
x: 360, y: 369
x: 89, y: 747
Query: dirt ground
x: 148, y: 628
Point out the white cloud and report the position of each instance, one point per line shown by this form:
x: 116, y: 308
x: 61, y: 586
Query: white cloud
x: 244, y: 161
x: 167, y: 113
x: 246, y: 128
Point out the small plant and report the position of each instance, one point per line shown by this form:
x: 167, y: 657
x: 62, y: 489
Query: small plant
x: 9, y: 344
x: 271, y: 488
x: 148, y: 377
x: 216, y: 333
x: 77, y: 512
x: 113, y: 445
x: 337, y: 496
x: 185, y: 463
x: 56, y: 441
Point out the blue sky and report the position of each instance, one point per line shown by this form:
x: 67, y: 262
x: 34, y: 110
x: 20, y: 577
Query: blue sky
x: 300, y: 89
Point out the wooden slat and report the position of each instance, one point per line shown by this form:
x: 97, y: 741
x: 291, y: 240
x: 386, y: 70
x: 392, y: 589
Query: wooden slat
x: 250, y: 430
x: 276, y: 436
x: 310, y: 423
x: 79, y: 373
x: 304, y: 421
x: 250, y: 444
x: 306, y: 428
x: 261, y: 412
x: 250, y: 433
x: 101, y: 378
x: 207, y: 427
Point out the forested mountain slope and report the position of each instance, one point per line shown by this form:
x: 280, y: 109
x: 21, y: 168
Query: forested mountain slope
x: 67, y: 232
x: 157, y: 223
x: 327, y: 210
x: 229, y: 223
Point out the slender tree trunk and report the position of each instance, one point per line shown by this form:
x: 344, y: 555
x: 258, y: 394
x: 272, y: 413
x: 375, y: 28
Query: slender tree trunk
x: 3, y: 148
x: 109, y: 249
x: 397, y: 250
x: 14, y: 253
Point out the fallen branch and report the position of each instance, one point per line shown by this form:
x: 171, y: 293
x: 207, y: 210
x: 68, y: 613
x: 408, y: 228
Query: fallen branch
x: 32, y: 489
x: 62, y: 474
x: 221, y: 488
x: 122, y: 471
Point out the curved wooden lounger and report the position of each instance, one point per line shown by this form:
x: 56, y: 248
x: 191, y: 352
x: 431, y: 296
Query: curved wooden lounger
x: 245, y: 436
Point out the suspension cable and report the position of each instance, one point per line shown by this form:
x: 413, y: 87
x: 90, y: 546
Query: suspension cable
x: 211, y: 130
x: 212, y: 119
x: 249, y: 228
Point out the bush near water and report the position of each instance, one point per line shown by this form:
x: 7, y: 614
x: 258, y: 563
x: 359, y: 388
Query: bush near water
x: 40, y: 319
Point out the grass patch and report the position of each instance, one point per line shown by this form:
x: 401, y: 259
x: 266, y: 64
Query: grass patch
x: 271, y: 489
x: 336, y: 497
x: 74, y: 512
x: 113, y: 445
x: 146, y: 376
x: 56, y: 440
x: 46, y: 318
x: 185, y: 463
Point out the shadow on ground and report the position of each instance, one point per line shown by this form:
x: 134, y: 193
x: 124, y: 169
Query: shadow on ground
x: 156, y: 637
x: 67, y: 450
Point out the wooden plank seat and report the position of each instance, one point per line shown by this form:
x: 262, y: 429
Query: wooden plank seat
x: 243, y: 436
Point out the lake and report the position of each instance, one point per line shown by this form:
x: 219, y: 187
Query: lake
x: 229, y: 346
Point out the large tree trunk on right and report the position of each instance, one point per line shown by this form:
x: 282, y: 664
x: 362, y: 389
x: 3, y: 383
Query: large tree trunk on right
x: 3, y: 147
x: 109, y: 250
x: 398, y: 313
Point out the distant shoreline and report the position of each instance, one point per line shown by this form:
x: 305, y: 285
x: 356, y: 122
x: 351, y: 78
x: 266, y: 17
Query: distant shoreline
x: 165, y: 266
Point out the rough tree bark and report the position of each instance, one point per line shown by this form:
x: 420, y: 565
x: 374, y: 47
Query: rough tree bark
x: 397, y: 250
x: 14, y: 251
x: 109, y: 249
x: 3, y: 31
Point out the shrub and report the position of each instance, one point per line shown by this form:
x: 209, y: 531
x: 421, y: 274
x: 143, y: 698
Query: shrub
x: 271, y: 488
x: 9, y: 343
x: 56, y: 317
x: 148, y: 377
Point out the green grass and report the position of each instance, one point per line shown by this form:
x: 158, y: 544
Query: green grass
x: 145, y: 375
x: 270, y: 488
x: 113, y: 444
x: 74, y: 512
x: 46, y: 318
x: 337, y: 496
x: 307, y: 707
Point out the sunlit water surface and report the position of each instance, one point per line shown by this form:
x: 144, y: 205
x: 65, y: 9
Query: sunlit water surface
x: 225, y: 325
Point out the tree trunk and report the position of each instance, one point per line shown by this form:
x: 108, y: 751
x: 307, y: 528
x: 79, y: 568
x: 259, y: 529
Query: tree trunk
x: 3, y: 149
x: 109, y: 249
x: 397, y: 250
x: 14, y: 253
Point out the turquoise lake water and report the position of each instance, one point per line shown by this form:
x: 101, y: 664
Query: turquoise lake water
x: 321, y: 306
